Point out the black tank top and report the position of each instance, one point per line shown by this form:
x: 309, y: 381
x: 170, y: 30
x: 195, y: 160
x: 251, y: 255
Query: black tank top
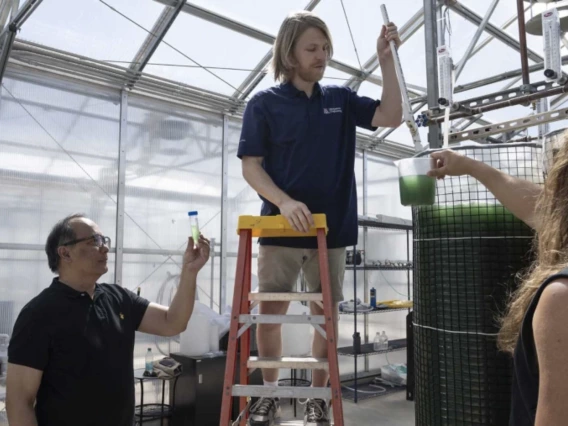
x: 525, y: 378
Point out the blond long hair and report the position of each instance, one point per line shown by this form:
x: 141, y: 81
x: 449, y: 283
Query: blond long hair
x: 291, y: 29
x: 551, y: 247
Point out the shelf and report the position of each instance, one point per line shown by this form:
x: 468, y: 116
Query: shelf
x: 376, y: 311
x: 385, y: 222
x: 366, y: 390
x: 378, y: 268
x: 367, y: 349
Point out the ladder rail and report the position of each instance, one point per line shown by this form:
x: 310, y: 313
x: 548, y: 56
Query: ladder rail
x: 241, y: 319
x: 231, y: 364
x: 333, y: 362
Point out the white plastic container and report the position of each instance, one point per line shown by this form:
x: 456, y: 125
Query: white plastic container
x: 297, y: 338
x: 213, y: 336
x: 195, y: 340
x: 416, y: 187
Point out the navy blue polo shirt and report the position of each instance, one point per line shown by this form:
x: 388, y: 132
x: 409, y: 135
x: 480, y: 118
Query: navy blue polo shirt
x: 308, y: 146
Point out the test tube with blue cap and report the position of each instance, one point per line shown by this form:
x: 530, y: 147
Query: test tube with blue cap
x: 194, y: 223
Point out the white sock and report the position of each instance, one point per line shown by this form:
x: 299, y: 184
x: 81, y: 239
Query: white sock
x: 275, y: 384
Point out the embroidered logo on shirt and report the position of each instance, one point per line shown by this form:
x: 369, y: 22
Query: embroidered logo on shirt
x: 121, y: 316
x: 332, y: 110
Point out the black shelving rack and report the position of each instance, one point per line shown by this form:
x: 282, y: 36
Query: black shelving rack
x: 393, y: 224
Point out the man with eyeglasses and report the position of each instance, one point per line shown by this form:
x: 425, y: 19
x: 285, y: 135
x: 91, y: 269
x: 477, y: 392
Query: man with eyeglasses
x: 70, y: 358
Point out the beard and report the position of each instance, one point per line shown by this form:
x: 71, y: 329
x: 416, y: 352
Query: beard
x: 312, y: 75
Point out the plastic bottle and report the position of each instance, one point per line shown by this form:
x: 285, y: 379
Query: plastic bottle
x: 384, y: 341
x: 357, y: 343
x: 194, y: 223
x: 377, y: 342
x: 373, y: 297
x: 4, y: 339
x: 149, y: 361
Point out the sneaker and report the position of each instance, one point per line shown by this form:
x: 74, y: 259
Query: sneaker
x: 264, y: 412
x: 316, y: 413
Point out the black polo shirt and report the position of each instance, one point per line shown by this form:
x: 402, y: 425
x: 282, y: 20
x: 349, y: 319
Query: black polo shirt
x: 85, y: 349
x: 308, y: 146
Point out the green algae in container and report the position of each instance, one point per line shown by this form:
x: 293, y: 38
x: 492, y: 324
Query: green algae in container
x: 466, y: 258
x: 416, y: 188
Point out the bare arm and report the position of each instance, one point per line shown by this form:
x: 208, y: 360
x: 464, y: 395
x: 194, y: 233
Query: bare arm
x: 22, y: 384
x: 517, y: 195
x: 551, y: 341
x: 163, y: 321
x: 297, y: 214
x: 389, y: 112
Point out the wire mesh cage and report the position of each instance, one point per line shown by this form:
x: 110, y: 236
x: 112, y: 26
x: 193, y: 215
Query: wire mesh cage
x: 468, y: 250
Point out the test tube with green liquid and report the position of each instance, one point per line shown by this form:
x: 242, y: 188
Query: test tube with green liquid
x: 194, y: 223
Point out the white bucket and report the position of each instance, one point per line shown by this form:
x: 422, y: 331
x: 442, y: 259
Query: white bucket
x: 195, y: 340
x: 296, y: 338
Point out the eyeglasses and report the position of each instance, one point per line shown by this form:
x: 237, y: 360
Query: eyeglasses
x: 99, y: 240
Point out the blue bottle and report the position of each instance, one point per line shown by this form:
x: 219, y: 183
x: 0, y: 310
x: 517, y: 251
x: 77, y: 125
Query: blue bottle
x: 373, y: 297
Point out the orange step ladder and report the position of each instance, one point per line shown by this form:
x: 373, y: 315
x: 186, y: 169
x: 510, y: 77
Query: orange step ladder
x: 241, y: 320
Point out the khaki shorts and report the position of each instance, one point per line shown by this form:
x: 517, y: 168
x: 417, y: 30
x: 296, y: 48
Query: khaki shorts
x: 279, y: 267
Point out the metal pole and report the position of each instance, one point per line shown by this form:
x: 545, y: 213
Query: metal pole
x: 224, y: 215
x: 475, y: 38
x: 523, y: 42
x: 212, y: 257
x: 365, y: 232
x: 430, y: 32
x: 152, y: 41
x: 123, y: 134
x: 543, y: 129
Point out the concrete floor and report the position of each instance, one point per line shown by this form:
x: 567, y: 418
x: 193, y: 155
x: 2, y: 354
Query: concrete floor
x: 390, y: 410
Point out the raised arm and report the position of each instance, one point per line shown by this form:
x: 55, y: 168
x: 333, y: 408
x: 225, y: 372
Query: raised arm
x: 518, y: 195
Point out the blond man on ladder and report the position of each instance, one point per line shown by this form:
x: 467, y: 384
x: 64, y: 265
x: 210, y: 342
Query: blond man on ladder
x: 298, y: 152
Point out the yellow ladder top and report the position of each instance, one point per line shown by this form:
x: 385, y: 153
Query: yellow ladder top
x: 278, y: 226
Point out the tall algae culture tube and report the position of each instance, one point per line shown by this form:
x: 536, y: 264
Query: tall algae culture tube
x: 468, y: 250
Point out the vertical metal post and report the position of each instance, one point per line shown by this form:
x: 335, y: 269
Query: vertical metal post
x: 15, y: 8
x: 523, y: 43
x: 543, y: 129
x: 355, y: 398
x: 431, y: 36
x: 123, y: 133
x: 224, y: 215
x: 365, y: 248
x: 212, y: 257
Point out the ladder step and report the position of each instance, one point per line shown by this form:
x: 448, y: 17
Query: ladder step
x: 281, y: 391
x: 286, y: 297
x: 281, y: 319
x: 289, y: 362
